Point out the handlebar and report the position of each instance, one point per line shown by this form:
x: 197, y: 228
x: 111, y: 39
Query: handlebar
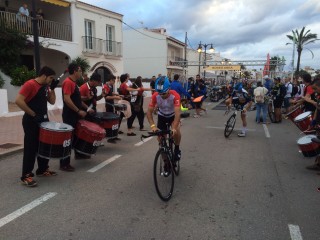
x: 157, y: 133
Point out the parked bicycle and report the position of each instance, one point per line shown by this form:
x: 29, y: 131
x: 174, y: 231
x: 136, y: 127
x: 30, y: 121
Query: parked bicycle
x: 271, y: 113
x: 165, y: 167
x: 232, y: 120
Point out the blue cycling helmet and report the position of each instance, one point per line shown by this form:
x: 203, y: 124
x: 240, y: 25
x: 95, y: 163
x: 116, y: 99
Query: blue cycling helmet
x: 162, y: 84
x: 238, y: 87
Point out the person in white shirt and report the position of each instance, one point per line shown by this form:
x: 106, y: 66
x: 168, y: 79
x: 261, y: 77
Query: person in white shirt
x: 23, y: 13
x: 287, y: 97
x: 259, y: 98
x: 129, y: 83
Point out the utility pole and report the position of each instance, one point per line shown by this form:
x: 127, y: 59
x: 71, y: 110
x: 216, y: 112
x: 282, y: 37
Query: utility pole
x: 35, y: 33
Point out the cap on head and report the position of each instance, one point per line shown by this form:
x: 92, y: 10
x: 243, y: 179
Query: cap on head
x: 265, y: 77
x: 162, y: 84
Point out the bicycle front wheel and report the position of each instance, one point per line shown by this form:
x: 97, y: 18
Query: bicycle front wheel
x: 230, y: 125
x: 163, y: 175
x: 271, y: 113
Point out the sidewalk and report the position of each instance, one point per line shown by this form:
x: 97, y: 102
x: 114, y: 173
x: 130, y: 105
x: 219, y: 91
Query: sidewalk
x: 11, y: 131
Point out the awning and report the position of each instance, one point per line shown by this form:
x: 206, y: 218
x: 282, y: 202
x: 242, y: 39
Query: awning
x: 58, y: 2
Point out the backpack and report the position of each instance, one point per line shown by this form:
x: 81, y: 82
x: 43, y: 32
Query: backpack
x: 259, y: 98
x: 295, y: 90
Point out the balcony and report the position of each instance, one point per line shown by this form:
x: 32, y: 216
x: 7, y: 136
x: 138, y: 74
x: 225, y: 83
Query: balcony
x: 96, y: 46
x: 47, y: 29
x: 172, y: 61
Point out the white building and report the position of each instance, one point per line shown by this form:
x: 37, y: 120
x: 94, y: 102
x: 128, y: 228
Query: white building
x: 149, y: 52
x: 70, y: 29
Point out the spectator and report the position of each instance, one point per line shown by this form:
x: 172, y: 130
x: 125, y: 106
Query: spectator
x: 259, y: 97
x: 268, y: 84
x: 287, y: 97
x: 199, y: 90
x: 278, y: 91
x: 22, y: 15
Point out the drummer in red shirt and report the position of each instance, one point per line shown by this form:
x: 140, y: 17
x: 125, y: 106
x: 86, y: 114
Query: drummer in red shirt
x: 88, y: 92
x: 32, y: 99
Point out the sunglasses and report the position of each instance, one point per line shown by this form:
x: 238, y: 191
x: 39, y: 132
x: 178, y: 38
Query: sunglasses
x: 163, y: 94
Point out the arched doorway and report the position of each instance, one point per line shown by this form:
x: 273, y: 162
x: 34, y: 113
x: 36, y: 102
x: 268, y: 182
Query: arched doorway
x: 103, y: 71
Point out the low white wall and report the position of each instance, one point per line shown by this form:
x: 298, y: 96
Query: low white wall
x: 3, y: 102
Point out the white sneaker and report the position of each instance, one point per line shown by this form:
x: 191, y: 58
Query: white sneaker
x: 242, y: 134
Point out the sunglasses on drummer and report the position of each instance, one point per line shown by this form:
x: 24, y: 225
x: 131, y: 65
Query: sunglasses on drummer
x: 163, y: 94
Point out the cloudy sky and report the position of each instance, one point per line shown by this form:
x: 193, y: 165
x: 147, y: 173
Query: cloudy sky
x: 239, y: 29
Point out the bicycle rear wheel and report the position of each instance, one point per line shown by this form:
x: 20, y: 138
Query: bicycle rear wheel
x: 271, y: 113
x: 230, y: 125
x: 163, y: 175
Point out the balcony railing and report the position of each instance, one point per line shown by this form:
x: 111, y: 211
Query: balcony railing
x: 172, y: 61
x: 100, y: 46
x: 48, y: 29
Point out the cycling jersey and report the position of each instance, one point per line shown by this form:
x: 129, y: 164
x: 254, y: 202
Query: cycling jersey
x: 165, y: 106
x: 240, y: 97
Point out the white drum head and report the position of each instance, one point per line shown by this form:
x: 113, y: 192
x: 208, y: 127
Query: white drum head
x: 305, y: 140
x: 302, y: 116
x: 56, y: 126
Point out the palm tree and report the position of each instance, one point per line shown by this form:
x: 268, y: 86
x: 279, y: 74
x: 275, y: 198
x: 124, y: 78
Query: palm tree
x: 301, y: 39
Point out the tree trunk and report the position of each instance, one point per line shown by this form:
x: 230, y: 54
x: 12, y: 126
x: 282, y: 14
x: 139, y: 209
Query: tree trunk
x: 298, y: 62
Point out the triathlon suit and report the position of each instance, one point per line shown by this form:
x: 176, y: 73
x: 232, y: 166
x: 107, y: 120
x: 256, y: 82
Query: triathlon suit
x: 86, y: 90
x: 36, y: 96
x: 165, y: 108
x: 108, y: 90
x: 240, y: 98
x: 69, y: 116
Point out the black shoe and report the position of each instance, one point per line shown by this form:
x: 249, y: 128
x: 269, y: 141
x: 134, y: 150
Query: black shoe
x: 120, y: 132
x: 46, y: 173
x: 131, y: 134
x: 111, y: 140
x: 67, y: 168
x: 118, y: 139
x: 177, y: 155
x: 28, y: 181
x: 166, y: 170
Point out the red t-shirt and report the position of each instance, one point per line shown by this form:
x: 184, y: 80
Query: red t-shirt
x: 308, y: 90
x: 68, y: 86
x: 30, y: 89
x: 123, y: 89
x: 85, y: 90
x: 106, y: 89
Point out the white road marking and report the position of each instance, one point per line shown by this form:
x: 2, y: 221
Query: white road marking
x: 26, y: 208
x: 142, y: 142
x: 235, y: 129
x: 103, y: 164
x: 266, y: 130
x: 295, y: 232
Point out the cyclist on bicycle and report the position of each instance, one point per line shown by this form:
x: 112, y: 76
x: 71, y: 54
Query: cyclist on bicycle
x: 168, y: 102
x: 241, y: 98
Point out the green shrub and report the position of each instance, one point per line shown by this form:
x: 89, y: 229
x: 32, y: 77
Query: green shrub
x: 20, y: 75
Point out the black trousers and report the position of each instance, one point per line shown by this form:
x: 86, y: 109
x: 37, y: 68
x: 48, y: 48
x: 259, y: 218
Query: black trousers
x: 31, y: 144
x: 139, y: 114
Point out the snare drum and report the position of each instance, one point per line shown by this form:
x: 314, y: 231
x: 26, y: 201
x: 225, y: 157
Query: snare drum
x: 55, y: 140
x: 303, y: 120
x: 307, y: 147
x: 120, y: 107
x: 108, y: 121
x: 88, y: 137
x: 294, y: 113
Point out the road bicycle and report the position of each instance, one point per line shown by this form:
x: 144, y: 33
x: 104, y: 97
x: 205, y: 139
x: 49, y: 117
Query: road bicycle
x: 232, y: 120
x: 164, y: 167
x: 271, y: 113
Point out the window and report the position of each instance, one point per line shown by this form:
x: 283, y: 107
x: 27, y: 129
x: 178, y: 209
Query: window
x: 88, y: 26
x: 109, y: 38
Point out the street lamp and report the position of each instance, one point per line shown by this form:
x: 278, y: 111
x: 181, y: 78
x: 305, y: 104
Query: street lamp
x: 211, y: 50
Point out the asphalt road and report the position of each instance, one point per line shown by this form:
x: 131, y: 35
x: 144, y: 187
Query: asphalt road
x: 248, y: 188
